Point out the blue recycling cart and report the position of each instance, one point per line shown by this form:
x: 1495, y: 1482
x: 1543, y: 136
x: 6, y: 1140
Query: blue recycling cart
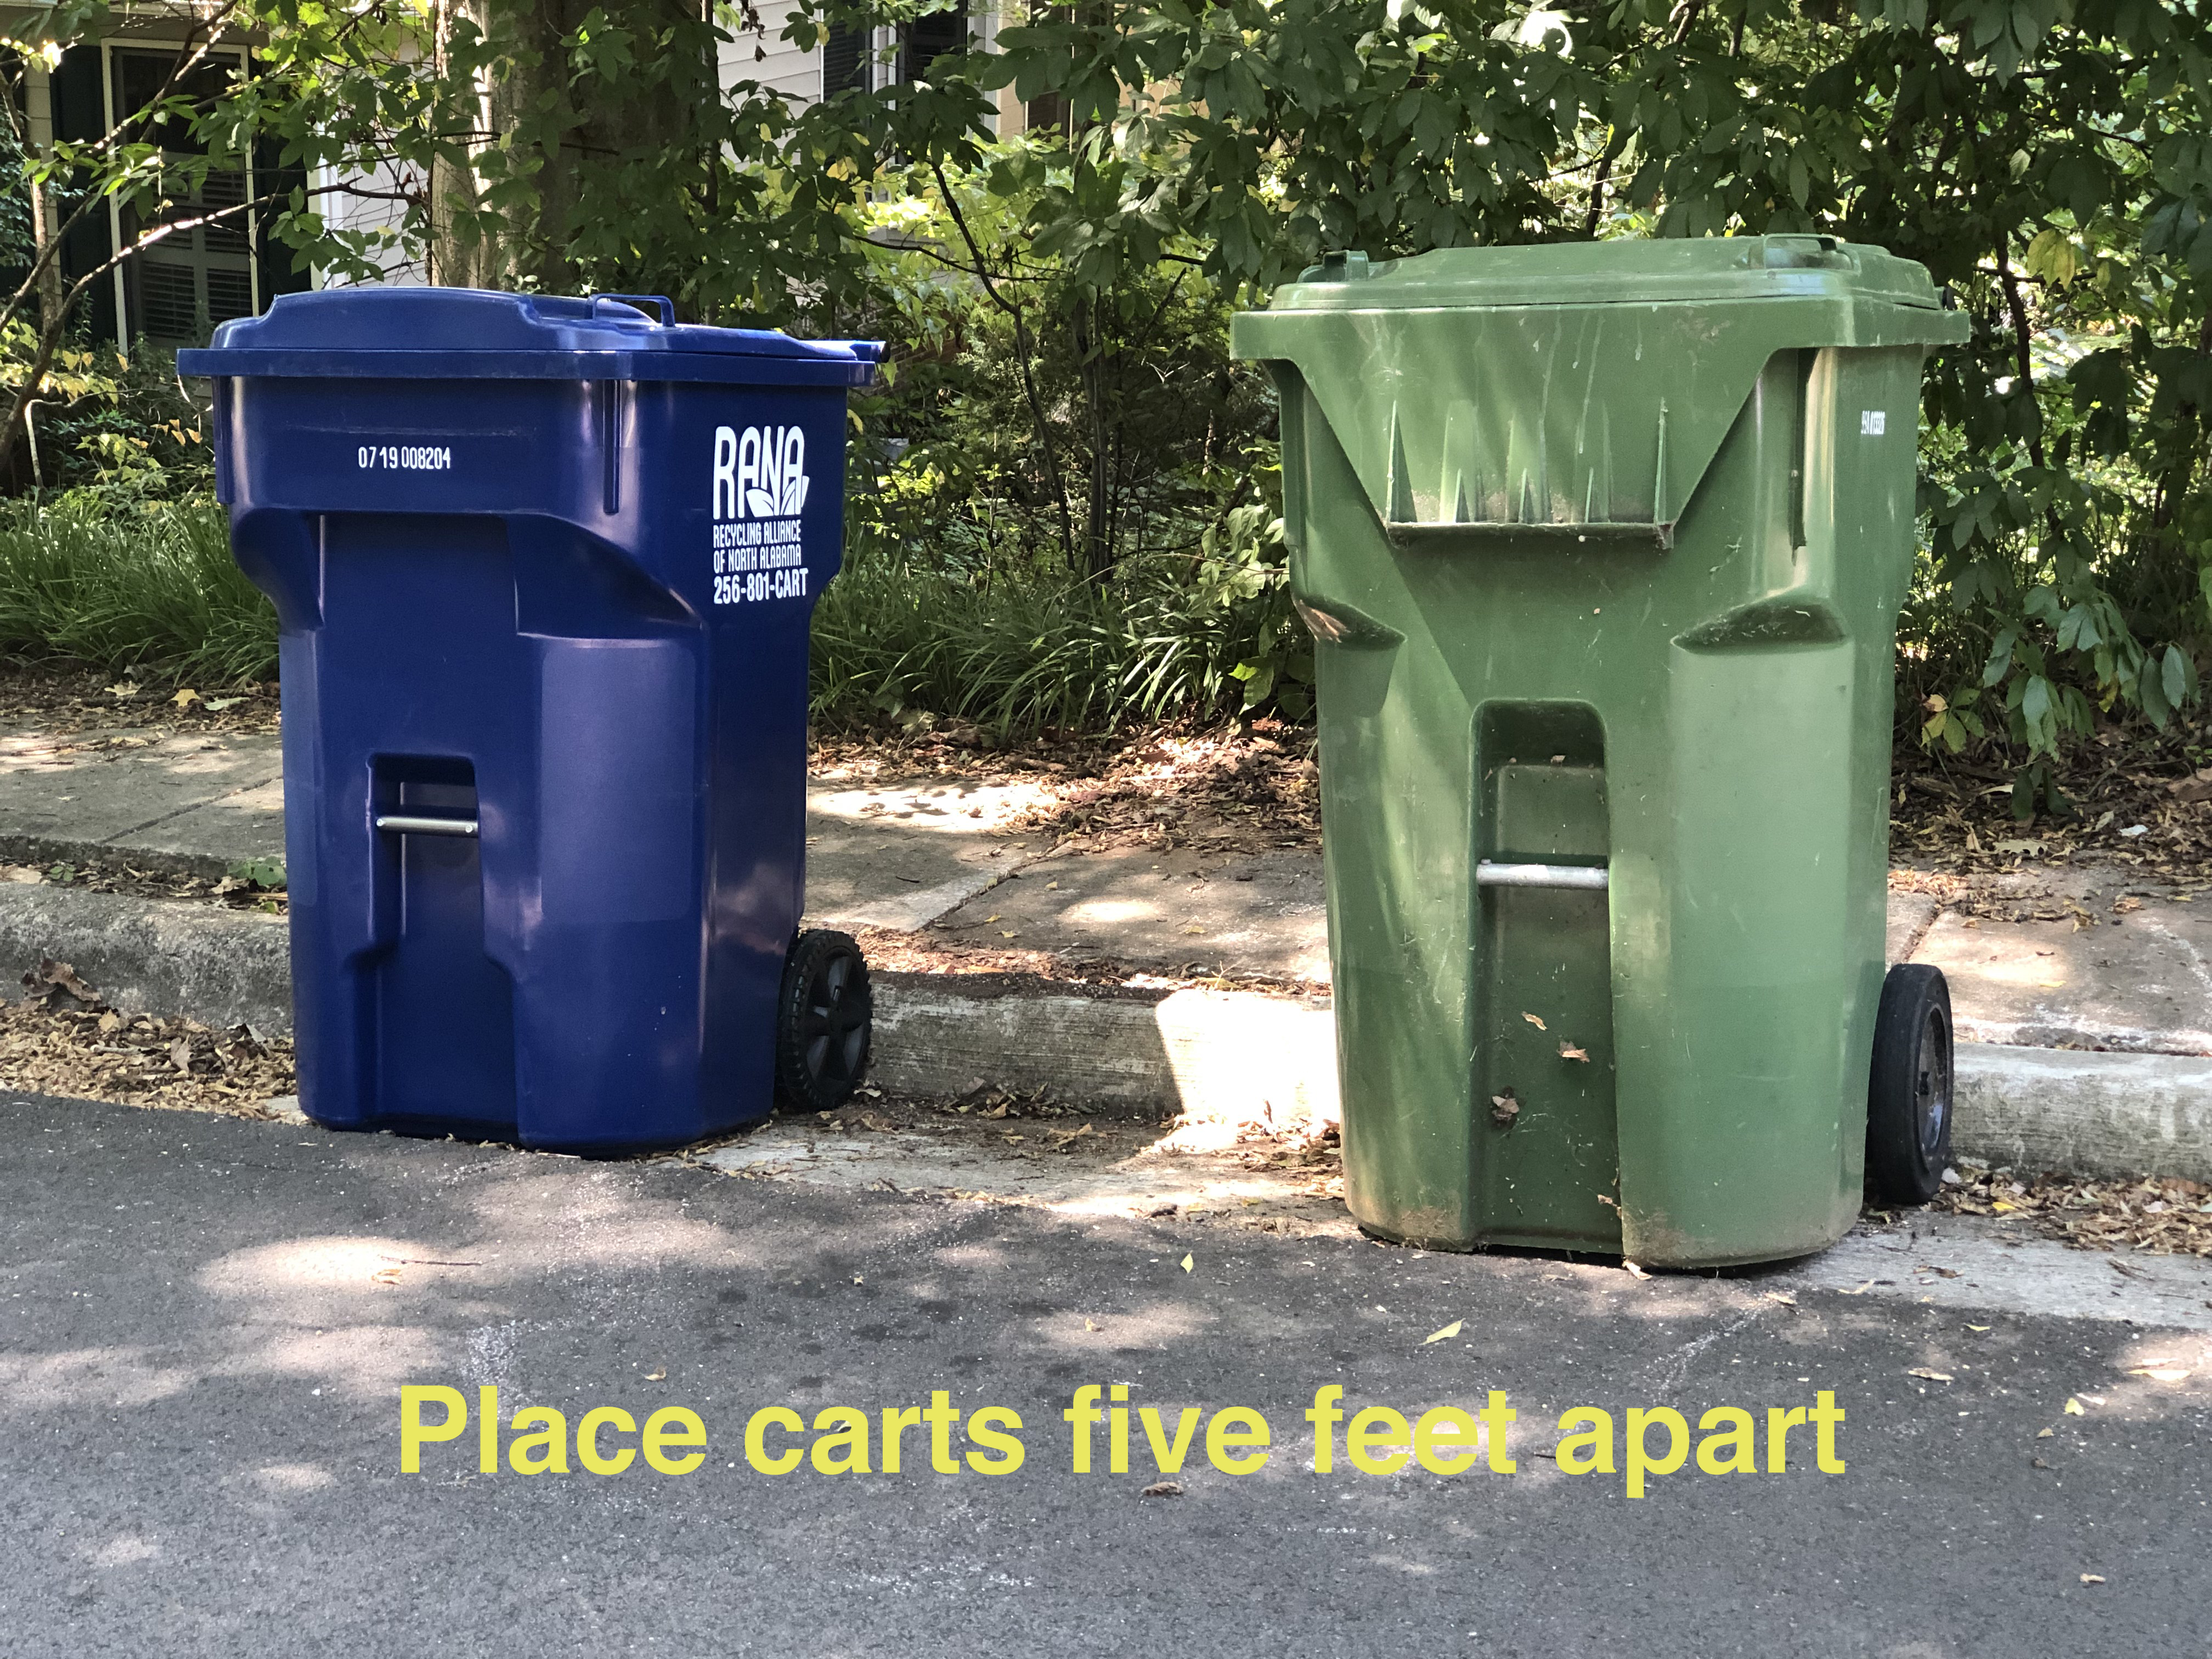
x: 544, y: 570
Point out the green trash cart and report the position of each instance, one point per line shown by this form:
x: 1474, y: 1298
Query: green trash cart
x: 1602, y: 546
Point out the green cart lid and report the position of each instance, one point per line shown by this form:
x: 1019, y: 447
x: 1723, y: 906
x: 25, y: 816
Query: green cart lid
x: 1624, y: 270
x: 1578, y: 387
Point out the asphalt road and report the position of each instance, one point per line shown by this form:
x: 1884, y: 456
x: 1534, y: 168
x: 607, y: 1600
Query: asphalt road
x: 205, y: 1325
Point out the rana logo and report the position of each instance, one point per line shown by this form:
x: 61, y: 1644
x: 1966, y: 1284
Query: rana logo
x: 759, y: 472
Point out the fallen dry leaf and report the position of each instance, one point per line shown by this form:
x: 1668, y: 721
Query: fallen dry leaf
x: 51, y: 976
x: 2163, y: 1374
x: 2073, y: 1407
x: 1535, y: 1022
x: 1161, y: 1489
x: 2092, y: 1578
x: 2165, y: 1214
x: 2044, y: 1434
x: 1445, y: 1334
x: 186, y: 698
x: 53, y: 1045
x: 1635, y: 1269
x: 877, y: 1121
x: 1504, y: 1108
x: 1568, y: 1051
x: 1933, y: 1376
x: 660, y: 1376
x: 1186, y: 1264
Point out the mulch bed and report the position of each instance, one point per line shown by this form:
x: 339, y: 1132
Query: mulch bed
x: 63, y: 1040
x: 1254, y: 791
x: 1247, y: 790
x: 2142, y: 804
x: 2165, y: 1215
x: 894, y: 953
x: 61, y: 701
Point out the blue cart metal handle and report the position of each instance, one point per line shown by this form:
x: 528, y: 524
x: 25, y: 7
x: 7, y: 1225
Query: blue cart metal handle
x: 404, y: 823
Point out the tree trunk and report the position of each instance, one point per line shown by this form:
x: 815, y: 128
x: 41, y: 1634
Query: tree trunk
x: 568, y: 132
x: 1095, y: 363
x: 39, y: 127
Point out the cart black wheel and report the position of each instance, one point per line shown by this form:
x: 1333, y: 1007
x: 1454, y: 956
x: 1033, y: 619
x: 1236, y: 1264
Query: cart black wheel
x: 1909, y: 1090
x: 823, y: 1020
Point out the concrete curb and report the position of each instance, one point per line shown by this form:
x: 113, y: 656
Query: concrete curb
x: 219, y: 966
x: 2087, y: 1114
x: 1226, y: 1056
x: 1238, y: 1056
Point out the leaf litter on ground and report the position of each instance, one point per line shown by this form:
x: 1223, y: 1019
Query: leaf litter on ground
x: 62, y: 1040
x: 2163, y: 1215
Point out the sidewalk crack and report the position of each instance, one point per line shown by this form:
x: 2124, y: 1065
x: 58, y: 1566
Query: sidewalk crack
x: 277, y: 776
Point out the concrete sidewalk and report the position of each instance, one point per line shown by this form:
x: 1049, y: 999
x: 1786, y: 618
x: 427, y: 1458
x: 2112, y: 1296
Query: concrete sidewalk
x: 2045, y: 966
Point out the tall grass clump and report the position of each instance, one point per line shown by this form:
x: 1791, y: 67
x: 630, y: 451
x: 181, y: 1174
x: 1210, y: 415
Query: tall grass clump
x: 1166, y: 638
x: 132, y: 586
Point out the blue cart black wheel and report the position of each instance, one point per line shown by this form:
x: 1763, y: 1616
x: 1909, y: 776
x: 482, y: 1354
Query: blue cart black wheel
x: 824, y: 1019
x: 1910, y: 1088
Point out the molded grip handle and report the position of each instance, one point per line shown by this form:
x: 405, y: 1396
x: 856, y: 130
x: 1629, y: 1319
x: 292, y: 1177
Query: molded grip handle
x: 668, y: 306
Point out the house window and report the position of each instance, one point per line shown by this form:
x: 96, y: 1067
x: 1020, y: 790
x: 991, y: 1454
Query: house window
x: 845, y: 62
x: 183, y: 284
x: 925, y: 39
x: 868, y: 60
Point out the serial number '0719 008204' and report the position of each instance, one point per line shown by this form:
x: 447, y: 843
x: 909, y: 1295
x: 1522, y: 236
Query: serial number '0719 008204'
x: 405, y: 458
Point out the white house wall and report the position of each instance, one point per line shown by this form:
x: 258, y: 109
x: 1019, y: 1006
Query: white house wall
x: 343, y: 211
x: 762, y: 55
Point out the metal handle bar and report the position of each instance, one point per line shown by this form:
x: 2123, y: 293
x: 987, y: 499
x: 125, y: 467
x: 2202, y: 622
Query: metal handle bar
x: 1588, y: 877
x: 409, y: 823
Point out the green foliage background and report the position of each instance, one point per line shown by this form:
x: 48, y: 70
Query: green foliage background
x: 1066, y: 492
x: 2049, y: 161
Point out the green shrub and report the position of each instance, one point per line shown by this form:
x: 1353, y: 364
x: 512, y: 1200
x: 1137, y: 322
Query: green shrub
x: 132, y: 586
x: 1167, y: 637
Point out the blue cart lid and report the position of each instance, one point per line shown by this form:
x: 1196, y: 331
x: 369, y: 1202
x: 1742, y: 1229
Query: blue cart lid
x: 466, y: 333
